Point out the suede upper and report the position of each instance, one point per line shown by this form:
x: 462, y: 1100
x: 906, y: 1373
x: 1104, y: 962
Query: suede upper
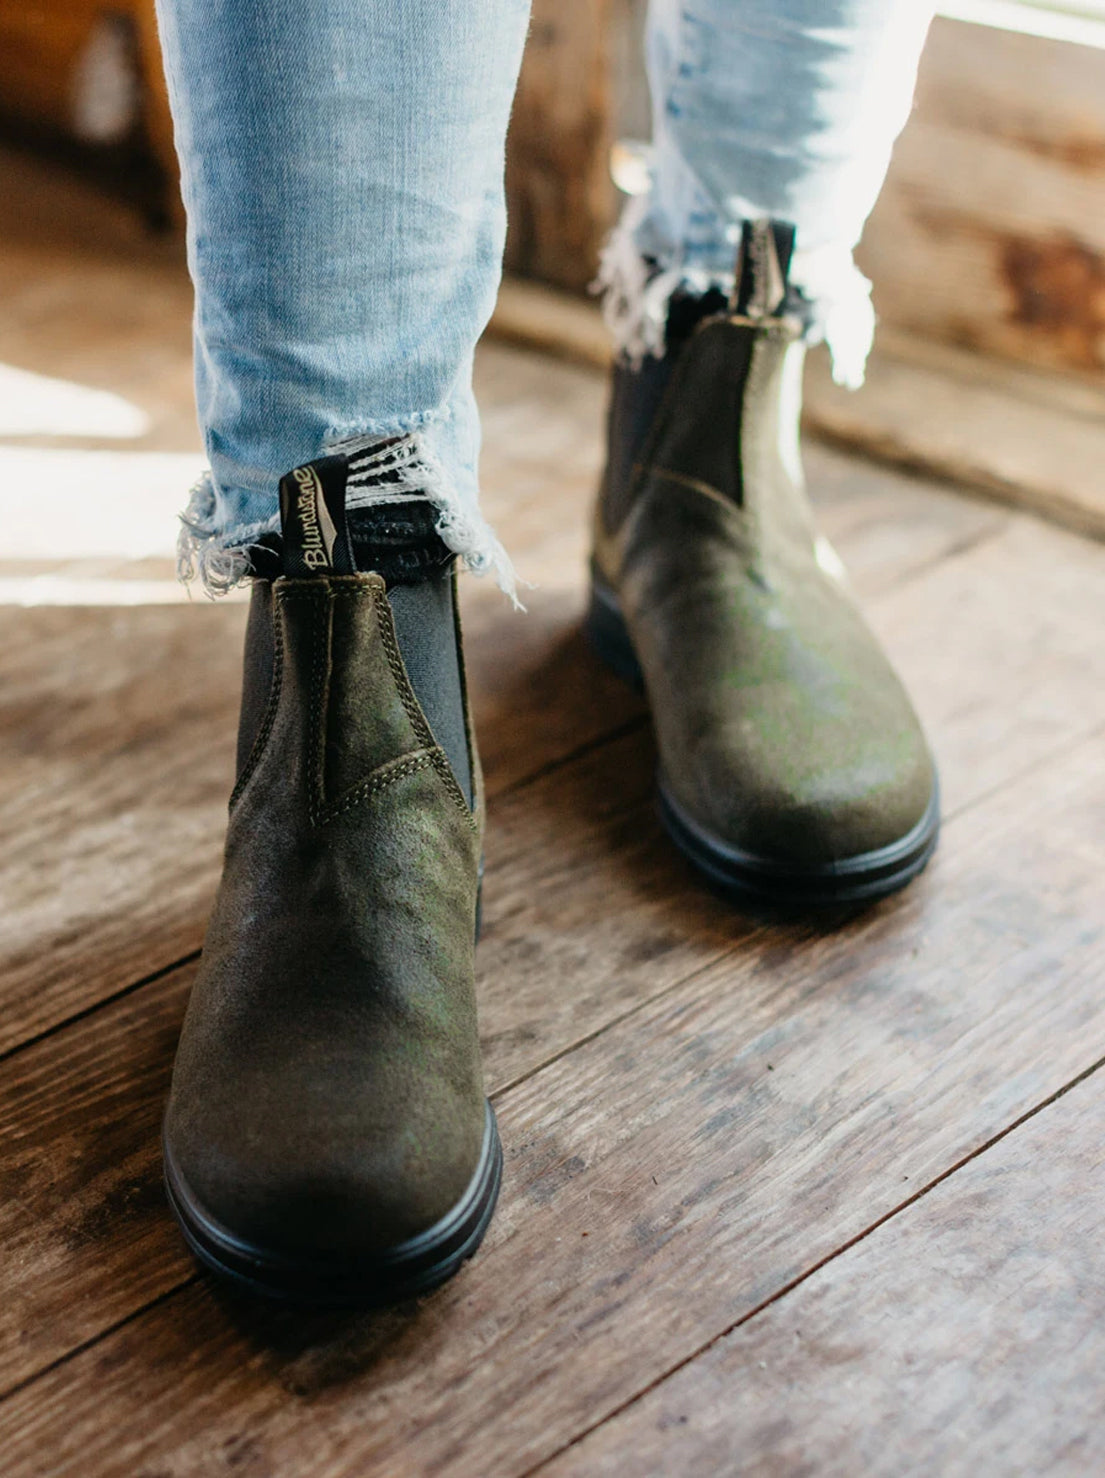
x: 782, y: 729
x: 327, y: 1095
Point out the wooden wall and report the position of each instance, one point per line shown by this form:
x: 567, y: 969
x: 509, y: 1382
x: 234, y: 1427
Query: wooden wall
x: 990, y: 233
x: 43, y: 44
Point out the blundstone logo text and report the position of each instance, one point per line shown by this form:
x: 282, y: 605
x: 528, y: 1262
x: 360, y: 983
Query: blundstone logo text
x: 316, y: 555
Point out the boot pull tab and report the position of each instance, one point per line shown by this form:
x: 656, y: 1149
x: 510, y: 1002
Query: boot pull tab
x: 760, y: 285
x: 312, y: 519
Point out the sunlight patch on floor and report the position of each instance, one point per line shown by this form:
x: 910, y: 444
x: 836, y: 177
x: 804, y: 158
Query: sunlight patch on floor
x: 64, y: 590
x: 64, y: 504
x: 38, y: 405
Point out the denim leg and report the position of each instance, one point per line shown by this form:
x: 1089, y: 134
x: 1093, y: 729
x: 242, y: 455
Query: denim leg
x: 780, y: 108
x: 342, y: 166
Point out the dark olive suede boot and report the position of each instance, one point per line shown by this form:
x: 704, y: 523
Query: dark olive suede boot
x: 792, y: 766
x: 327, y: 1136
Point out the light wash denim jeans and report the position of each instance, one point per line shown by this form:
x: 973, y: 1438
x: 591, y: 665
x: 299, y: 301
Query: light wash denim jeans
x: 342, y: 165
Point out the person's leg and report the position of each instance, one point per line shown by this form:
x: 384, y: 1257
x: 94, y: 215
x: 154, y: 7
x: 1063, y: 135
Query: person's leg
x: 342, y: 172
x: 327, y: 1135
x: 786, y: 109
x: 792, y: 766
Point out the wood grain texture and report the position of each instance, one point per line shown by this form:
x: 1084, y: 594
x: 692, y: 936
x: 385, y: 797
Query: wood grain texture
x: 989, y: 231
x: 965, y: 1336
x: 83, y: 1218
x: 555, y: 967
x: 698, y: 1108
x: 560, y: 198
x: 1032, y: 439
x: 116, y: 737
x: 665, y: 1178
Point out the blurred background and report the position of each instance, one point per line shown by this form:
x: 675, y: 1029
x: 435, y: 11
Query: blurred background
x: 987, y: 252
x: 840, y: 1182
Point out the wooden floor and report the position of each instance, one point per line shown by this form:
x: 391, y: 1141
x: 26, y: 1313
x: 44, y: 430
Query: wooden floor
x: 779, y: 1199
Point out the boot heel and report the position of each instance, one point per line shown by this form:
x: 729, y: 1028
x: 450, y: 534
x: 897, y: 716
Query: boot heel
x: 606, y: 631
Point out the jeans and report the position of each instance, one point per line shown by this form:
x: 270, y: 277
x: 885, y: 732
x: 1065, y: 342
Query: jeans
x: 342, y: 171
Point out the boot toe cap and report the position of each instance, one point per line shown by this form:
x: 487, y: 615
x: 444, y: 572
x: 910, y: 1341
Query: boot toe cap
x: 289, y: 1181
x: 808, y: 824
x: 829, y: 818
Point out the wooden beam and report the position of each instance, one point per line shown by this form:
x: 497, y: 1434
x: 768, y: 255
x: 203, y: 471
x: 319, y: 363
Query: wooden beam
x: 560, y: 198
x: 990, y: 231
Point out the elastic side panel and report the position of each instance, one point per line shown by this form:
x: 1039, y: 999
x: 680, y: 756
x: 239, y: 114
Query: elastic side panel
x: 366, y: 722
x: 698, y: 437
x: 257, y: 669
x: 425, y: 628
x: 635, y: 397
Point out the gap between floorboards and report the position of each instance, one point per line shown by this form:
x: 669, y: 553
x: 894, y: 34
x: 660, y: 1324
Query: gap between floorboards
x: 498, y: 1093
x: 814, y: 1268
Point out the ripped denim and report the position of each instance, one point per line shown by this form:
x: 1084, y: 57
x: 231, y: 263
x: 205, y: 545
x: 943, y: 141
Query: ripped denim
x: 342, y: 169
x: 764, y: 108
x: 342, y: 173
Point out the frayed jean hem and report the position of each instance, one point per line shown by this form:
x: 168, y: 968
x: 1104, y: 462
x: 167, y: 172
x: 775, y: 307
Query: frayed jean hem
x: 638, y: 278
x: 216, y: 550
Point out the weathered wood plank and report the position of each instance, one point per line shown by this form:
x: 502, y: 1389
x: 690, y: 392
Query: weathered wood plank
x: 665, y: 1178
x: 966, y: 1335
x: 588, y: 913
x: 80, y: 1111
x: 83, y: 1220
x: 989, y: 230
x: 116, y: 731
x: 1029, y: 600
x: 109, y: 880
x: 978, y: 422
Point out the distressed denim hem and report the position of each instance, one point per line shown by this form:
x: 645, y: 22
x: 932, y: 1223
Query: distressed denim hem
x: 637, y: 281
x: 217, y: 557
x: 410, y: 465
x: 218, y: 554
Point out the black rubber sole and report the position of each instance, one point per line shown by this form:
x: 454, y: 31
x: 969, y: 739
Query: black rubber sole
x: 863, y: 878
x: 404, y: 1271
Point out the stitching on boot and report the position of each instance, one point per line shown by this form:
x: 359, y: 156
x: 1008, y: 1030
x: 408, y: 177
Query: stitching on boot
x: 696, y: 485
x: 273, y: 703
x: 398, y: 671
x: 386, y: 774
x: 373, y: 588
x: 412, y: 706
x: 320, y: 693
